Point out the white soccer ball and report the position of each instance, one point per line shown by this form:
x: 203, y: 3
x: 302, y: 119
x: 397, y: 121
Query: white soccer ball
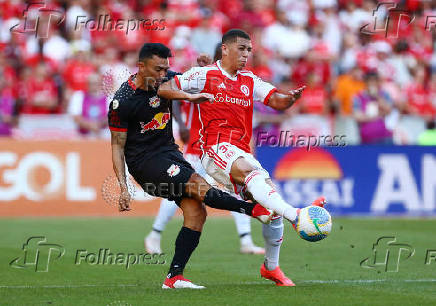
x: 314, y: 223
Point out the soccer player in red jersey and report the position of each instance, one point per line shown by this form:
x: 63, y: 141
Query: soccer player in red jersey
x: 189, y: 133
x: 225, y: 133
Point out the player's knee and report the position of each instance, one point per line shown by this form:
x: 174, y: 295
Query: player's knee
x: 241, y: 169
x: 255, y: 175
x: 195, y: 218
x: 198, y: 214
x: 197, y: 187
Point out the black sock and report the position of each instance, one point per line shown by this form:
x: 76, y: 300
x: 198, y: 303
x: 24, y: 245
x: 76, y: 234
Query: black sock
x: 219, y: 199
x: 186, y: 242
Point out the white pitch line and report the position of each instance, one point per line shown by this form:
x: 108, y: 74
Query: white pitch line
x: 333, y: 281
x: 64, y: 286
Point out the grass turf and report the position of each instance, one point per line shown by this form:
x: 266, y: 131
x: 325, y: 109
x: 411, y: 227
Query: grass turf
x: 326, y: 273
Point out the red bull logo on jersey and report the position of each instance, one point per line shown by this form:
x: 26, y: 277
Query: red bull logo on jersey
x: 159, y: 122
x: 220, y: 97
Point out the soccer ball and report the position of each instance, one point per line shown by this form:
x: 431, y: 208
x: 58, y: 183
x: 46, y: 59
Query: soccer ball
x: 314, y: 223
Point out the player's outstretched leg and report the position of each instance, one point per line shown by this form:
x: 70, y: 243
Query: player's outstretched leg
x: 243, y: 228
x: 273, y: 235
x: 257, y: 183
x: 194, y: 214
x: 167, y: 210
x: 198, y: 189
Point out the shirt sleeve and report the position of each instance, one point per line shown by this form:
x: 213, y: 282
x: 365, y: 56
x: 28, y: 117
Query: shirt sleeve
x: 119, y: 109
x: 193, y: 80
x: 262, y: 90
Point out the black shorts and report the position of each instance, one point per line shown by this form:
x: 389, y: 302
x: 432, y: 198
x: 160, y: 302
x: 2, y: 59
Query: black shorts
x: 164, y: 175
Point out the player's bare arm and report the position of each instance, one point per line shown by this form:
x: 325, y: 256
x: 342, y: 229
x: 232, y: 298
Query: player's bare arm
x: 170, y: 91
x: 118, y: 141
x: 280, y: 101
x: 177, y: 114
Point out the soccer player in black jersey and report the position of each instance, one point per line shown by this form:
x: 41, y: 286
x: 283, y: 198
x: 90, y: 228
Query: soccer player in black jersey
x: 141, y: 136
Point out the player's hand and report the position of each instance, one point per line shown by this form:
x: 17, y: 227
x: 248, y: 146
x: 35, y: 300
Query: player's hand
x: 296, y: 93
x: 201, y: 97
x: 124, y: 201
x: 184, y: 134
x: 204, y: 60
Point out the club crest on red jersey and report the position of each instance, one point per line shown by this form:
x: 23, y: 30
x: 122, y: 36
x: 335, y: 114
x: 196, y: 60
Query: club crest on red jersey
x: 245, y: 90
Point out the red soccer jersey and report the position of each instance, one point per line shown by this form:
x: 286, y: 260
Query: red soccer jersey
x: 229, y: 118
x: 76, y: 74
x: 39, y: 90
x: 418, y: 100
x: 194, y: 126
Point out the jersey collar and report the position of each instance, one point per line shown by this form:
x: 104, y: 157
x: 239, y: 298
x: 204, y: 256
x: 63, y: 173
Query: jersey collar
x: 218, y: 63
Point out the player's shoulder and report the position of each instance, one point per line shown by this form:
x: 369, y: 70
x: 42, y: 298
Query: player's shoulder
x: 200, y: 71
x: 126, y: 90
x: 248, y: 73
x: 122, y: 96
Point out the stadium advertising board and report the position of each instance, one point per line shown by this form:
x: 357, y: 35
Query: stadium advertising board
x: 58, y: 178
x: 65, y: 178
x: 374, y: 180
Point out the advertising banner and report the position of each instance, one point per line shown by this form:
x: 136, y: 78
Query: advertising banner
x: 375, y: 180
x: 64, y: 178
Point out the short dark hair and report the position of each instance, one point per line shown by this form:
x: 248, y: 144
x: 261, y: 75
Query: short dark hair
x: 372, y: 74
x: 218, y: 52
x: 231, y: 35
x: 150, y: 49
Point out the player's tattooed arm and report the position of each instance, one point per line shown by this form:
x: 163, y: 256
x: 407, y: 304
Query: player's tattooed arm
x: 280, y: 101
x: 118, y: 142
x: 170, y: 91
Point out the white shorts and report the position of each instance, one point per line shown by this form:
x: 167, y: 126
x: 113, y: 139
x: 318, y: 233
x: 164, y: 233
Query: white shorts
x: 218, y: 161
x: 195, y: 162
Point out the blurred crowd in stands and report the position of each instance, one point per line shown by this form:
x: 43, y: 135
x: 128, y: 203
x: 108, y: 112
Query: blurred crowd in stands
x: 380, y: 86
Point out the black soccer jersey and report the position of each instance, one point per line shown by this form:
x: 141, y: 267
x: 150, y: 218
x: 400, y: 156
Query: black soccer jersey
x: 145, y: 117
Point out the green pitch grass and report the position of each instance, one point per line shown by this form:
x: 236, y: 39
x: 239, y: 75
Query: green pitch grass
x: 326, y: 273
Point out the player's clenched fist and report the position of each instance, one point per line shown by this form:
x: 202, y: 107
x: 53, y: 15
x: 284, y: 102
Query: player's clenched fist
x: 201, y: 97
x: 124, y: 201
x: 204, y: 60
x: 296, y: 94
